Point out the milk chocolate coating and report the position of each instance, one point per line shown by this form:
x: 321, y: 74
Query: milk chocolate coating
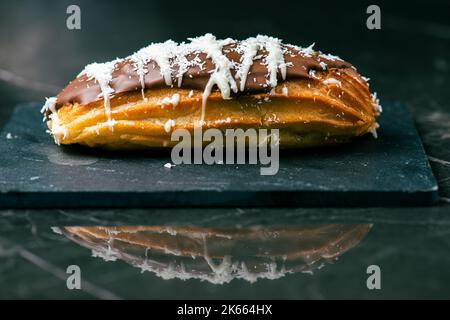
x: 125, y: 79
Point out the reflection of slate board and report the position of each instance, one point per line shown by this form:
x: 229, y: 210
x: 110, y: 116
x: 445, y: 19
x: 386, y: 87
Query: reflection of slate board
x: 392, y: 170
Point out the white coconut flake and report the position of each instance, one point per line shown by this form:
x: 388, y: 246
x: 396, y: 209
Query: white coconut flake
x: 174, y: 100
x: 249, y: 49
x: 56, y: 129
x: 102, y: 74
x: 169, y: 125
x: 331, y: 81
x: 373, y: 130
x: 50, y: 103
x: 180, y: 59
x: 376, y: 104
x: 330, y: 57
x: 285, y: 91
x: 221, y: 76
x: 312, y: 74
x: 111, y: 123
x: 161, y: 53
x: 308, y: 51
x: 274, y: 59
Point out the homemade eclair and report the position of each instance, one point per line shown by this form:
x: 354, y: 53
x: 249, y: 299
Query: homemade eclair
x: 312, y: 98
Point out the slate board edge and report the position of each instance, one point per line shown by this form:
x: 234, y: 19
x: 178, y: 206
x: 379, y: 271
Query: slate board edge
x: 218, y: 199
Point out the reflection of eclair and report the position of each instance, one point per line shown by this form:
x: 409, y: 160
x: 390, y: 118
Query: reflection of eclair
x: 312, y: 98
x: 220, y: 255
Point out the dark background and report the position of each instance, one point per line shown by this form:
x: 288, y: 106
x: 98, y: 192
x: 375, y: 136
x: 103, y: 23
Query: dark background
x: 408, y: 60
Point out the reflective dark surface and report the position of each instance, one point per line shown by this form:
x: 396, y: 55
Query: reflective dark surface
x: 407, y: 61
x: 410, y: 247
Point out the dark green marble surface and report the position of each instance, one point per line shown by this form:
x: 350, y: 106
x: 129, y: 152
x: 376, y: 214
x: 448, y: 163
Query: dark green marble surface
x: 410, y: 246
x: 407, y: 60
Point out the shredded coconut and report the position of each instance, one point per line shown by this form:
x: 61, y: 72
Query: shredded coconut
x: 309, y: 51
x: 373, y: 130
x: 330, y: 57
x: 174, y: 100
x: 56, y: 129
x: 161, y: 53
x: 274, y: 59
x: 169, y: 125
x: 221, y: 76
x: 249, y: 49
x: 102, y: 74
x: 332, y: 81
x: 376, y: 104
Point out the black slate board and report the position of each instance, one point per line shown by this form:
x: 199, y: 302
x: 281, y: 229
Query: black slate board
x: 392, y: 170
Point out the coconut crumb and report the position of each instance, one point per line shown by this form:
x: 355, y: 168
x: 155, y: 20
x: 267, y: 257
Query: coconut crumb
x: 373, y: 130
x: 174, y: 100
x: 169, y: 125
x: 332, y: 81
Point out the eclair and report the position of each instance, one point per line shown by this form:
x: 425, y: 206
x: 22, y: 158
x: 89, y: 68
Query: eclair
x: 136, y: 102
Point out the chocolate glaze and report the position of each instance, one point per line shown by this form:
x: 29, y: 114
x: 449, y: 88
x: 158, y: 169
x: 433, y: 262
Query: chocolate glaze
x: 125, y: 79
